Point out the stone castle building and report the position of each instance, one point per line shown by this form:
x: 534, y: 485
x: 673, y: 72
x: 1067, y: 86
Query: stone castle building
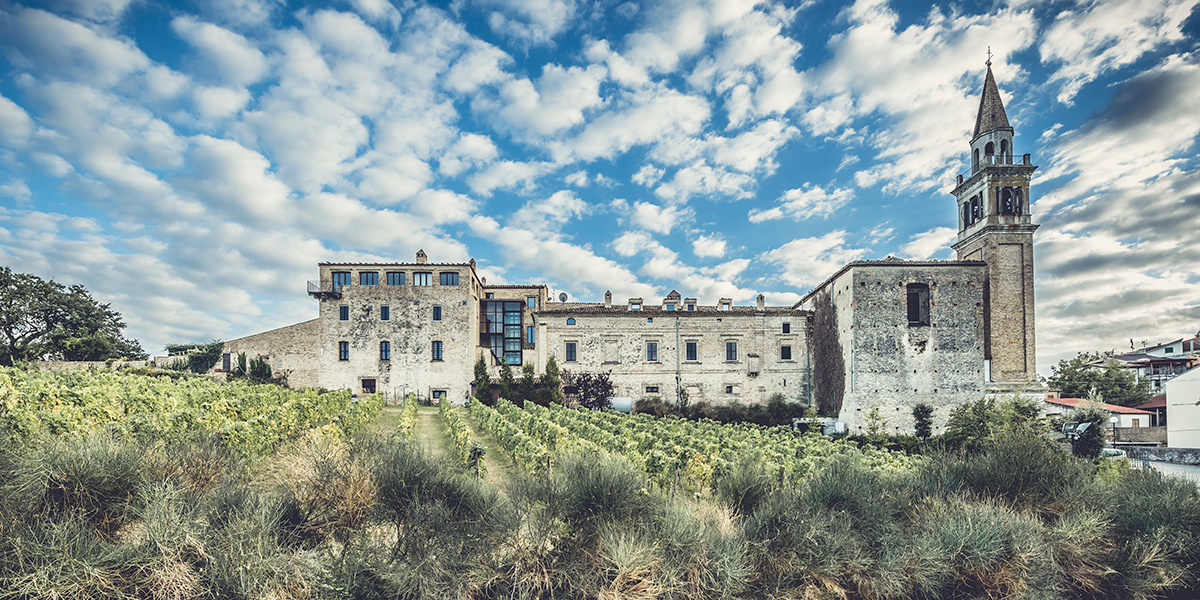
x: 887, y: 334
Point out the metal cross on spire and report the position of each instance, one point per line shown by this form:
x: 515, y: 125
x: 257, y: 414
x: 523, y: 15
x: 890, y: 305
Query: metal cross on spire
x: 989, y: 60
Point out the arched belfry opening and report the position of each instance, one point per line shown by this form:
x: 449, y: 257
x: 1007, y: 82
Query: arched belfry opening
x: 1005, y: 152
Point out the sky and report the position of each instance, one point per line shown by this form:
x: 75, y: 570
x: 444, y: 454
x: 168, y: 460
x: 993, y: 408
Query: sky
x: 191, y: 163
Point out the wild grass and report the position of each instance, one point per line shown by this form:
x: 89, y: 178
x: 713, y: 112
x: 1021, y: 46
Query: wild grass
x: 378, y: 517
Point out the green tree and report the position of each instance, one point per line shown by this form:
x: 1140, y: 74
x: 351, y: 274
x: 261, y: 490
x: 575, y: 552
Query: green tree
x: 483, y: 381
x: 923, y: 420
x: 528, y: 388
x: 552, y: 382
x: 1091, y: 441
x: 42, y: 319
x: 507, y: 388
x: 1116, y: 384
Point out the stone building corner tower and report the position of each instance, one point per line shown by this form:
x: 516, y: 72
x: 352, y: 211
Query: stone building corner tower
x: 994, y: 227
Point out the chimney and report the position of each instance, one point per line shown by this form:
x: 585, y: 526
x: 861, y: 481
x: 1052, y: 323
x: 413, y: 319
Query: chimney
x: 483, y: 280
x: 762, y: 300
x: 421, y: 258
x: 607, y: 299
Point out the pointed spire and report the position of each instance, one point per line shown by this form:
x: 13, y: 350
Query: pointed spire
x: 991, y: 109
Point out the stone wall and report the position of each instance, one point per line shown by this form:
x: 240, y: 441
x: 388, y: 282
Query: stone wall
x: 889, y: 363
x: 411, y: 331
x: 615, y: 339
x: 1154, y: 435
x: 98, y: 365
x: 1179, y: 456
x: 289, y: 350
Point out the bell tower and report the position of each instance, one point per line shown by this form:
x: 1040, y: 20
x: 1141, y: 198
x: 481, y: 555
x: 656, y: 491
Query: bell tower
x: 994, y: 227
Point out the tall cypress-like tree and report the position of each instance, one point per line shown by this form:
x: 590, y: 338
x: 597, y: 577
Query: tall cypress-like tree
x: 552, y: 382
x: 528, y: 388
x: 508, y: 390
x: 483, y: 381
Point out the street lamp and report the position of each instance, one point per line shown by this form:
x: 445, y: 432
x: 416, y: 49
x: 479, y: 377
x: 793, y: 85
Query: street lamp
x: 1113, y: 419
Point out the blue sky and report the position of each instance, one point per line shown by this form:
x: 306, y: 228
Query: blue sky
x: 191, y: 163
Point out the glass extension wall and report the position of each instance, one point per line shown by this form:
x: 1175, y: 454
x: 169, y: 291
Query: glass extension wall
x: 502, y: 329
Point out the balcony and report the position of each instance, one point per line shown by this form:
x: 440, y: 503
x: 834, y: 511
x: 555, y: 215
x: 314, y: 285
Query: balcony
x: 994, y: 160
x: 316, y: 291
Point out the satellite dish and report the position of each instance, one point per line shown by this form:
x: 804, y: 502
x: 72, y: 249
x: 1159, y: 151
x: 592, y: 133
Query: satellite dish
x: 562, y: 297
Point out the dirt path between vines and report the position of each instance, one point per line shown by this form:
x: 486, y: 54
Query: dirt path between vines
x: 429, y: 432
x: 500, y: 467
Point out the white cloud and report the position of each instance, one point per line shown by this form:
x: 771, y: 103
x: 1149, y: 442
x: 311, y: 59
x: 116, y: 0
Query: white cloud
x: 557, y: 102
x: 806, y: 262
x: 659, y: 219
x: 925, y: 245
x: 804, y: 203
x: 709, y: 246
x: 533, y: 22
x: 228, y: 57
x: 219, y: 102
x: 469, y: 150
x: 480, y: 65
x: 645, y: 118
x: 506, y: 174
x: 15, y: 123
x: 50, y: 44
x: 577, y: 179
x: 1102, y: 36
x: 702, y: 179
x: 648, y: 175
x: 549, y: 214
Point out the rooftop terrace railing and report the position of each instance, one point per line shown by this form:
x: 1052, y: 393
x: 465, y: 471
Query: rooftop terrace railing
x: 992, y: 160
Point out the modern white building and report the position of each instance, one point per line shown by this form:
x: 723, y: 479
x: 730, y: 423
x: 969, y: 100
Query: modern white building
x: 1183, y: 414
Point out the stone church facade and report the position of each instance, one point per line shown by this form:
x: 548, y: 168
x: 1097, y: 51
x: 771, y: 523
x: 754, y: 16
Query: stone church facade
x: 876, y: 336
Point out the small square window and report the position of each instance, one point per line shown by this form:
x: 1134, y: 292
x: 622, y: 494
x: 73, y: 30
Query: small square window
x: 437, y: 313
x: 570, y: 352
x: 343, y: 350
x: 787, y: 327
x: 635, y: 306
x: 437, y: 350
x: 669, y: 307
x: 368, y: 278
x: 368, y: 386
x: 385, y: 313
x: 729, y: 389
x: 395, y: 278
x: 449, y: 278
x: 343, y: 313
x: 691, y: 308
x: 652, y: 389
x: 489, y: 295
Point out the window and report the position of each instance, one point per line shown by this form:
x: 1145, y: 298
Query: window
x: 690, y: 350
x: 343, y: 350
x: 729, y: 389
x: 437, y: 351
x: 368, y: 278
x: 787, y: 327
x: 385, y: 313
x: 529, y: 334
x: 225, y: 362
x: 343, y: 313
x: 368, y: 386
x: 504, y: 330
x: 691, y: 308
x: 531, y: 301
x: 785, y: 353
x: 731, y: 351
x: 1169, y: 350
x: 917, y: 304
x: 635, y: 306
x: 669, y: 307
x: 449, y: 278
x: 570, y: 352
x: 571, y: 321
x: 489, y: 295
x: 395, y: 278
x: 423, y: 279
x: 439, y: 394
x: 385, y: 351
x: 725, y: 306
x: 437, y: 313
x: 652, y: 351
x: 652, y: 389
x: 340, y: 278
